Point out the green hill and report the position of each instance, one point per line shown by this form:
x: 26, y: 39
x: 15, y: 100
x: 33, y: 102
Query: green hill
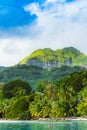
x: 31, y: 69
x: 34, y: 74
x: 47, y: 58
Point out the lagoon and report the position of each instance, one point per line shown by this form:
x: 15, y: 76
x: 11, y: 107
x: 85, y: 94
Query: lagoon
x: 40, y: 125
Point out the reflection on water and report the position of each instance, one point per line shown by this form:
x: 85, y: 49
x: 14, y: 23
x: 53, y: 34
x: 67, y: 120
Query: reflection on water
x: 35, y: 125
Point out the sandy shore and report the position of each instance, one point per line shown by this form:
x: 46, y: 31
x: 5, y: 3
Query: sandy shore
x: 50, y: 119
x: 64, y: 119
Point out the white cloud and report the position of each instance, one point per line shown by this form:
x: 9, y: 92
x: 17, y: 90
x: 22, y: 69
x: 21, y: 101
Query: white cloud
x: 58, y: 25
x: 61, y: 24
x: 51, y: 1
x: 12, y: 50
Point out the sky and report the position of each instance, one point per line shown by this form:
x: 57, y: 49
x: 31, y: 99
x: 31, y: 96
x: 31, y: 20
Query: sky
x: 27, y: 25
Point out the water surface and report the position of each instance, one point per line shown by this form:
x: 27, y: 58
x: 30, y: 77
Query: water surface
x: 39, y: 125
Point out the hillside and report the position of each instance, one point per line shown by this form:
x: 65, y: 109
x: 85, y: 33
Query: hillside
x: 47, y: 58
x: 34, y: 74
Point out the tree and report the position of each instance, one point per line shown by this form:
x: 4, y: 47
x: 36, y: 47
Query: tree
x: 82, y: 106
x: 16, y: 87
x: 18, y: 109
x: 50, y: 91
x: 42, y: 86
x: 67, y: 99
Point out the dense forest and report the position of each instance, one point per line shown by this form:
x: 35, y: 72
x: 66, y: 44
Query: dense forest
x: 66, y: 97
x: 34, y: 74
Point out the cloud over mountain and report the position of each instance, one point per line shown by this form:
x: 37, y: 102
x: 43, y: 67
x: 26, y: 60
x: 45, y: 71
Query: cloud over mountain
x: 28, y: 25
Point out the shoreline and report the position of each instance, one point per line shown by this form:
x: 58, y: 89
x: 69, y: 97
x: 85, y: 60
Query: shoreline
x: 49, y: 119
x: 64, y: 119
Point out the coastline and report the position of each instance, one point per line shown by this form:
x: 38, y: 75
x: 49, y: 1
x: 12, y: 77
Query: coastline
x: 48, y: 119
x: 64, y: 119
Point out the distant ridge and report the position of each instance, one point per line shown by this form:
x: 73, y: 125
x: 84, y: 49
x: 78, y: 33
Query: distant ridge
x: 47, y: 58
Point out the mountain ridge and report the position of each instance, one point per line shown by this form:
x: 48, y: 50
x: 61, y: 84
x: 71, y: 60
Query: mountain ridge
x: 48, y: 58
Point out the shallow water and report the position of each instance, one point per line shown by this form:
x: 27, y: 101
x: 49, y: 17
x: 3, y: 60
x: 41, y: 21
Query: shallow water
x: 39, y: 125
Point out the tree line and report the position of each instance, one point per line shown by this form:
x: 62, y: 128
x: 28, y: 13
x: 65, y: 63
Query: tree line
x: 66, y: 97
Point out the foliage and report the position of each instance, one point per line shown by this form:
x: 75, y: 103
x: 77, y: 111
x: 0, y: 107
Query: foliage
x: 66, y: 97
x: 16, y: 88
x: 19, y: 109
x: 33, y: 74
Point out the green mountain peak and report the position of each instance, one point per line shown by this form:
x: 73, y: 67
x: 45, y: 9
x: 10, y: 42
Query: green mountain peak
x: 48, y: 58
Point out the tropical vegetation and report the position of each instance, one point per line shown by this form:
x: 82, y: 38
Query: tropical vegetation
x: 66, y: 97
x: 46, y: 84
x: 34, y: 74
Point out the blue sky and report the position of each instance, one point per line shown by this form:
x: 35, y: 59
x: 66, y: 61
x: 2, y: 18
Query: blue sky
x: 13, y: 15
x: 26, y: 25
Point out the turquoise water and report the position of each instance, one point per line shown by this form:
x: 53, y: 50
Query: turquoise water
x: 38, y: 125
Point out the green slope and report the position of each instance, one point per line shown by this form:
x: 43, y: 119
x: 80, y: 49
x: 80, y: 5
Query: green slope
x: 60, y: 56
x: 40, y: 54
x: 34, y: 74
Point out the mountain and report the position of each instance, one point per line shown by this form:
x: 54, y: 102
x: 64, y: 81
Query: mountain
x: 48, y: 58
x: 57, y: 64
